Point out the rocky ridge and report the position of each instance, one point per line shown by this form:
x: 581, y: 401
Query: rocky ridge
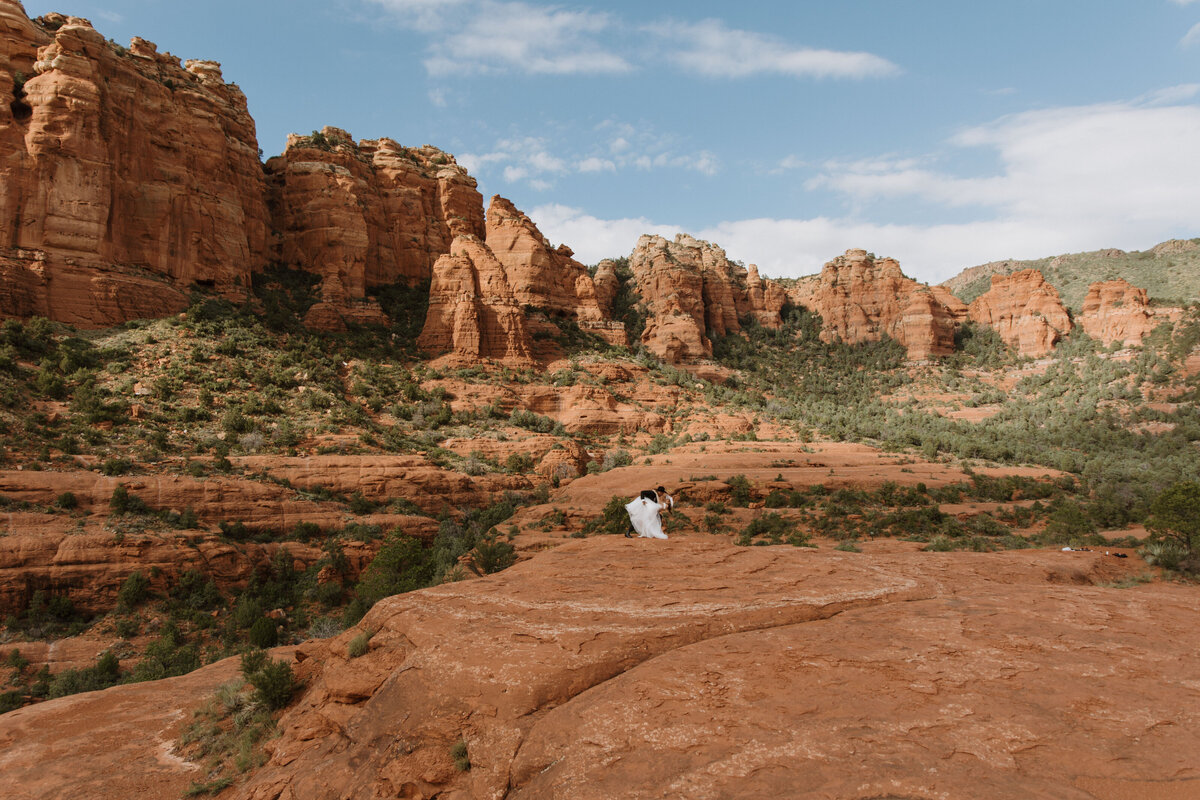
x: 1025, y: 310
x: 690, y: 288
x: 862, y: 299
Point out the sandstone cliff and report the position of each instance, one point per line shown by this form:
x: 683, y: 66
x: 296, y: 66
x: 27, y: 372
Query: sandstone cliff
x: 366, y: 214
x: 126, y: 177
x: 473, y: 312
x: 548, y: 278
x: 862, y: 299
x: 1025, y: 310
x: 1116, y: 311
x: 690, y: 289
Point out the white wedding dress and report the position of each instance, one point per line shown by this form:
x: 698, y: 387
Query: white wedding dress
x: 643, y: 514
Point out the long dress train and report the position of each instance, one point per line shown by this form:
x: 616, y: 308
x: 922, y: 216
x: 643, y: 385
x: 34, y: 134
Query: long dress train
x: 643, y: 514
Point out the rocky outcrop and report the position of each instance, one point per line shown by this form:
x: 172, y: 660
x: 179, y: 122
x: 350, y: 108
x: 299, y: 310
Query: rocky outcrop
x: 862, y: 299
x: 1117, y: 311
x: 127, y: 176
x: 473, y: 312
x: 366, y: 214
x: 1025, y: 310
x: 678, y: 674
x: 548, y: 278
x: 690, y: 289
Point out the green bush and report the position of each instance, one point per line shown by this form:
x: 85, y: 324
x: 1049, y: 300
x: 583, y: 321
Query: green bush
x: 740, y: 490
x: 274, y: 684
x: 401, y: 565
x: 492, y: 555
x: 132, y: 592
x: 263, y: 633
x: 360, y: 644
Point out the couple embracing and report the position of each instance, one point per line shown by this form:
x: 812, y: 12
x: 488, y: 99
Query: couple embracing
x: 645, y: 513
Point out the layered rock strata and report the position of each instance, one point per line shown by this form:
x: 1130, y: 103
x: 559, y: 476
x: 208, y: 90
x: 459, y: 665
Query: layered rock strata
x: 1025, y: 310
x: 1117, y: 311
x: 366, y: 214
x: 127, y: 176
x: 692, y: 291
x: 696, y: 669
x: 862, y: 299
x: 473, y: 312
x: 548, y: 278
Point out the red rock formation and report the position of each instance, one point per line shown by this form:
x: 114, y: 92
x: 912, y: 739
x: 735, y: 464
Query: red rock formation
x: 689, y: 288
x: 1117, y: 311
x: 861, y: 299
x: 1025, y: 310
x: 473, y: 312
x: 544, y: 277
x: 678, y: 674
x: 126, y: 176
x: 366, y: 214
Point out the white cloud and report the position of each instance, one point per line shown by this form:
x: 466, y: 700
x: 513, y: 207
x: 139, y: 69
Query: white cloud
x: 1192, y: 36
x: 593, y: 238
x: 490, y: 36
x: 1121, y: 175
x: 1184, y: 2
x: 594, y: 164
x: 711, y: 49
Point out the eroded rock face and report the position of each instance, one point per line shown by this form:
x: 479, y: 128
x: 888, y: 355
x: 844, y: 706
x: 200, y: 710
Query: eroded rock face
x: 127, y: 176
x: 690, y: 288
x: 1117, y: 311
x: 473, y: 312
x: 366, y: 214
x: 695, y: 668
x: 1025, y: 310
x: 862, y: 299
x: 548, y: 278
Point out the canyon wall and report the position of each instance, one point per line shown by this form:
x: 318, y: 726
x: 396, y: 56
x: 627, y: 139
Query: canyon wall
x: 126, y: 176
x: 365, y: 214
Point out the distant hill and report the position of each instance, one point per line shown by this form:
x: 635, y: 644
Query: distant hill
x: 1169, y: 272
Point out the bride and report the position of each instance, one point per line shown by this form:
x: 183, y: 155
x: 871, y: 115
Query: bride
x: 644, y: 515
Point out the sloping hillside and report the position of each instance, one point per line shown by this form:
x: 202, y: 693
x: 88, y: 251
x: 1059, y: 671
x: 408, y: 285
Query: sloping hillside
x: 1169, y: 272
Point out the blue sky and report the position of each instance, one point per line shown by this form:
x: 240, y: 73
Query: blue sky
x: 940, y: 132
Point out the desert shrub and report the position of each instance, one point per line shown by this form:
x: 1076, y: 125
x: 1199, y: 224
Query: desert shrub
x: 458, y: 751
x: 518, y: 463
x: 263, y: 633
x: 10, y: 701
x: 116, y: 466
x: 1167, y: 555
x: 360, y: 644
x: 492, y: 555
x: 133, y: 591
x: 66, y: 501
x: 785, y: 498
x: 104, y: 673
x: 740, y: 490
x: 401, y: 565
x: 274, y: 684
x: 774, y: 528
x: 1175, y: 514
x: 614, y: 459
x: 614, y: 519
x: 523, y: 418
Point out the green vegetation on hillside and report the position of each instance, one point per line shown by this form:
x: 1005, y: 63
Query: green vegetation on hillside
x: 1170, y: 276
